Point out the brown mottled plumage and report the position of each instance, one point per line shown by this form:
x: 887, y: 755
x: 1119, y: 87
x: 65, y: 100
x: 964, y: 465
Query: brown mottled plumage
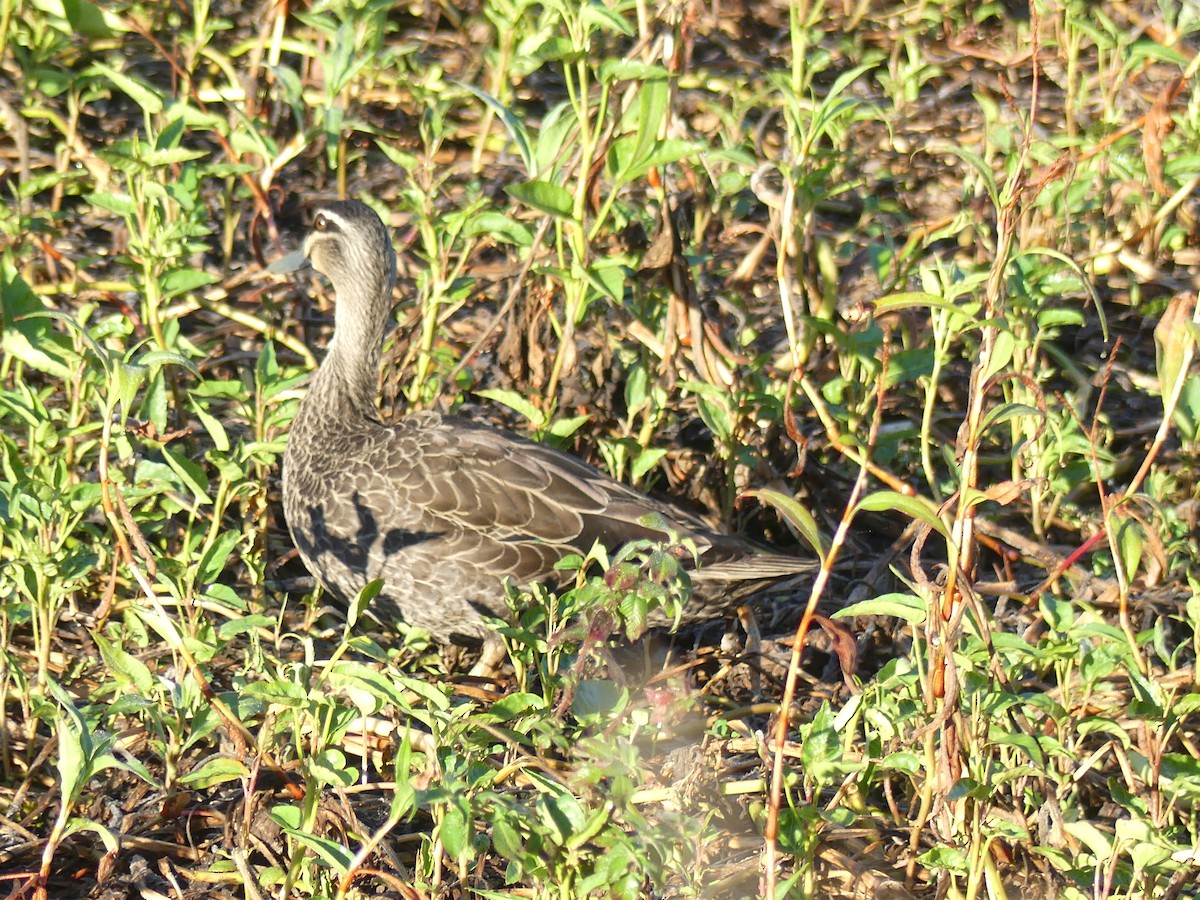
x: 442, y: 509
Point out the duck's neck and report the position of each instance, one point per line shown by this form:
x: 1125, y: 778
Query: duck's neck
x: 349, y: 375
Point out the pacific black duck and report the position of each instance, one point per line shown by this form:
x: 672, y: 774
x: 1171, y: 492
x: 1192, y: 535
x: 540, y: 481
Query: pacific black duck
x: 443, y: 509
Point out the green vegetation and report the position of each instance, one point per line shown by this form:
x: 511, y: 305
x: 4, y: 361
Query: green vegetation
x: 914, y: 282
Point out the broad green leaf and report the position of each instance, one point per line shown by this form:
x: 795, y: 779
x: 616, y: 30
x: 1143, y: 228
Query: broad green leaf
x: 516, y: 402
x: 111, y: 842
x: 369, y: 592
x: 645, y: 461
x: 564, y: 814
x: 564, y: 428
x: 1002, y: 354
x: 190, y: 473
x: 212, y: 425
x: 514, y: 126
x: 505, y: 836
x: 596, y: 15
x: 145, y: 96
x: 544, y: 196
x: 213, y: 562
x: 914, y: 507
x: 334, y: 855
x: 900, y: 606
x: 83, y: 17
x: 631, y: 70
x: 795, y: 513
x: 329, y: 767
x: 242, y: 624
x: 455, y: 830
x: 215, y: 771
x: 121, y: 204
x: 129, y: 670
x: 500, y: 228
x: 515, y: 705
x: 368, y: 688
x: 28, y: 334
x: 181, y: 281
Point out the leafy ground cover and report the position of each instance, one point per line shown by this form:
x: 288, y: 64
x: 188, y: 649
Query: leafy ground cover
x: 911, y: 283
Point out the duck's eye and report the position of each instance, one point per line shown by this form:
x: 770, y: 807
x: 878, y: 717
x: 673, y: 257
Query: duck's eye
x: 320, y: 223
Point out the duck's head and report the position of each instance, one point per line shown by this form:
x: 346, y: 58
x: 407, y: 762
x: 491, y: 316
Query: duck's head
x: 349, y: 244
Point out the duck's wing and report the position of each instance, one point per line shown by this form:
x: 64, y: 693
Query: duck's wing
x: 485, y: 480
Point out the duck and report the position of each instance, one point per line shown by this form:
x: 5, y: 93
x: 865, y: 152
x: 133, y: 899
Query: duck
x: 445, y: 511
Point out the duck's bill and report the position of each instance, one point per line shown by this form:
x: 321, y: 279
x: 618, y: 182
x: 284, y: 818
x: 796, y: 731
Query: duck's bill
x: 290, y: 263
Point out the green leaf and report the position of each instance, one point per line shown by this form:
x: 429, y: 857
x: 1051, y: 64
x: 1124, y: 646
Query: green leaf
x: 1130, y: 545
x: 1023, y: 742
x: 212, y: 425
x: 329, y: 767
x: 515, y: 705
x: 653, y: 97
x: 111, y: 842
x: 181, y: 281
x: 795, y: 513
x: 368, y: 688
x: 514, y: 126
x: 914, y: 507
x: 213, y: 562
x: 564, y: 428
x: 564, y: 815
x: 913, y: 300
x: 130, y: 670
x: 455, y: 830
x: 215, y: 771
x: 190, y: 473
x: 242, y: 624
x: 1002, y: 353
x: 145, y: 96
x: 334, y: 855
x: 630, y: 70
x: 665, y: 152
x: 900, y: 606
x: 634, y: 613
x: 607, y: 277
x: 515, y: 402
x: 645, y: 461
x: 74, y: 747
x: 172, y: 156
x: 155, y: 358
x: 500, y: 228
x: 505, y: 837
x: 121, y: 204
x: 596, y: 15
x: 596, y: 701
x: 555, y: 133
x: 553, y: 48
x: 369, y: 592
x: 1006, y: 412
x: 28, y: 334
x: 544, y: 196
